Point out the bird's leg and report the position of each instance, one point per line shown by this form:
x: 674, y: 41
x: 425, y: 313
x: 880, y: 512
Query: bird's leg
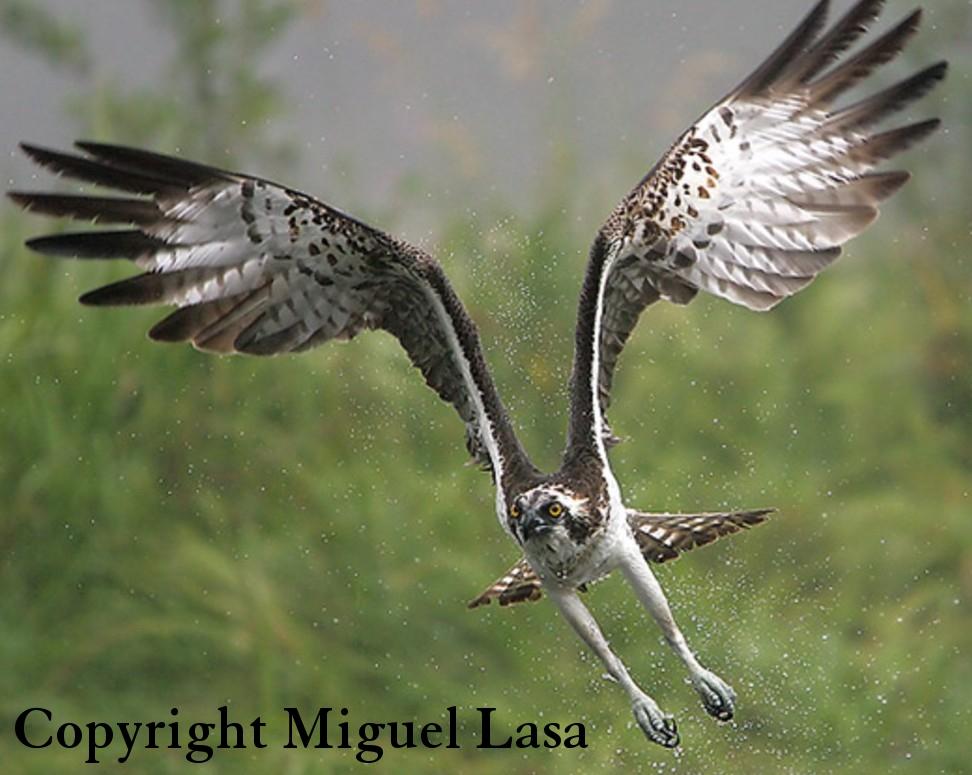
x: 657, y: 726
x: 717, y: 696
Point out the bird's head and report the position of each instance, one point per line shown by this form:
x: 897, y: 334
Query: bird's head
x: 546, y: 511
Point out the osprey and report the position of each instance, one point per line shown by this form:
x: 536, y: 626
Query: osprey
x: 750, y: 204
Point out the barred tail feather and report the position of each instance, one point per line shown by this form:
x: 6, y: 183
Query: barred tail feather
x: 664, y: 537
x: 518, y: 585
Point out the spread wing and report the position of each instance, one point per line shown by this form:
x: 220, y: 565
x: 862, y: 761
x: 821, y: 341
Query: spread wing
x: 660, y: 537
x: 257, y: 268
x: 755, y: 199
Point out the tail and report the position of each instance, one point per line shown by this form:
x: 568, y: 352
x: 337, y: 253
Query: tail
x: 519, y: 584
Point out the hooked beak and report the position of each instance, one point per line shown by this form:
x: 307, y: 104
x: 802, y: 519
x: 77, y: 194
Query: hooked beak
x: 534, y: 525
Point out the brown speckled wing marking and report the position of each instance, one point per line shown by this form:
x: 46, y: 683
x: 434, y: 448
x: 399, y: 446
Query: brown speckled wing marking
x: 257, y: 268
x: 755, y: 199
x: 663, y: 537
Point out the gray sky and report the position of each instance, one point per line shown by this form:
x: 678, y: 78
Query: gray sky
x: 481, y: 88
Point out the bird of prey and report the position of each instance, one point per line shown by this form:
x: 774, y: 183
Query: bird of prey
x: 750, y: 204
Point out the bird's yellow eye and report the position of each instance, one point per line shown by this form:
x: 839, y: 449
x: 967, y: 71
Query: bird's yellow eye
x: 514, y: 511
x: 555, y: 509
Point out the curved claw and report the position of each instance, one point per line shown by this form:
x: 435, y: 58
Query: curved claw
x: 718, y: 698
x: 658, y: 727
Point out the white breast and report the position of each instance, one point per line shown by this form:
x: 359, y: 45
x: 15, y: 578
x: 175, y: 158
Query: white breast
x: 560, y: 562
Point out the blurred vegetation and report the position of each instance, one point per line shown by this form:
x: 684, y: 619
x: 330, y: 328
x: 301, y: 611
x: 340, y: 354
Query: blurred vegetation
x: 39, y: 32
x: 182, y: 530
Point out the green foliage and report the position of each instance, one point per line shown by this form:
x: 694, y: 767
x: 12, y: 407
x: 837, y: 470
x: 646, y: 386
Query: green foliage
x: 211, y: 100
x: 183, y: 530
x: 41, y: 33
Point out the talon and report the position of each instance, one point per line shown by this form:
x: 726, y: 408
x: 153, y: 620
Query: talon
x: 717, y: 696
x: 671, y: 739
x: 658, y: 727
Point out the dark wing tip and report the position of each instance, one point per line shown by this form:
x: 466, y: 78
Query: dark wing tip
x: 817, y: 16
x: 35, y: 152
x: 917, y: 86
x: 100, y: 297
x: 523, y: 593
x: 924, y: 128
x: 796, y: 43
x: 93, y: 299
x: 893, y: 181
x: 147, y: 288
x: 894, y: 141
x: 905, y: 29
x: 939, y: 70
x: 129, y: 244
x: 43, y: 245
x: 20, y: 198
x: 45, y: 157
x: 178, y: 171
x: 756, y: 516
x: 96, y: 209
x: 175, y: 327
x: 96, y: 148
x: 102, y: 171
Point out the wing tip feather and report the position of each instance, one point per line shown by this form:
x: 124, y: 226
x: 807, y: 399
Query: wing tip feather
x: 20, y: 198
x: 140, y: 289
x: 34, y: 152
x: 99, y: 298
x: 38, y: 245
x: 891, y: 182
x: 171, y: 329
x: 796, y: 43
